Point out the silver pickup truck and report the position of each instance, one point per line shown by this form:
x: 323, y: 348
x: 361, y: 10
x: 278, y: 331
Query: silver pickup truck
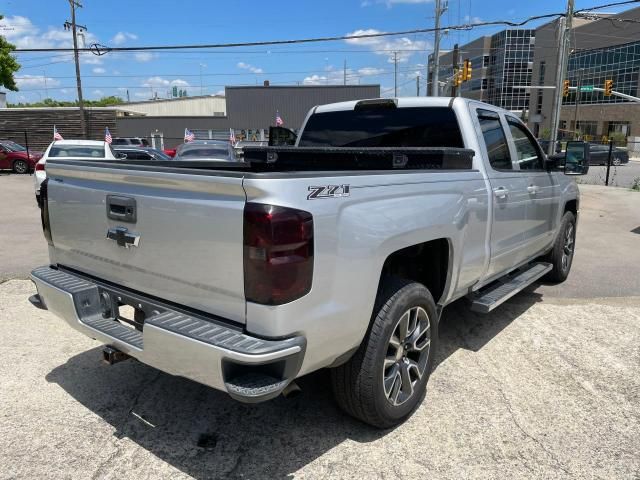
x: 338, y: 251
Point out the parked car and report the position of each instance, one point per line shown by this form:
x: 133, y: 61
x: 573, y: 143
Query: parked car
x: 170, y: 151
x: 71, y: 149
x: 545, y: 145
x: 13, y: 156
x: 141, y: 153
x: 339, y: 252
x: 137, y: 141
x: 599, y: 155
x: 206, y: 150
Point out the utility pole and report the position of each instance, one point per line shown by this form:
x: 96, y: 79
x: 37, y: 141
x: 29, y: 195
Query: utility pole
x: 455, y: 61
x: 344, y: 80
x: 564, y: 31
x: 575, y: 112
x: 76, y: 4
x: 46, y: 89
x: 418, y: 86
x: 435, y: 90
x: 395, y: 74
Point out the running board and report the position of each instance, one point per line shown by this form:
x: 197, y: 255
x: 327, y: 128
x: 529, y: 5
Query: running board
x: 485, y: 300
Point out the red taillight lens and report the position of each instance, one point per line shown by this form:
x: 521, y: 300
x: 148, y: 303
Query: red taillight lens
x: 278, y: 253
x: 39, y: 167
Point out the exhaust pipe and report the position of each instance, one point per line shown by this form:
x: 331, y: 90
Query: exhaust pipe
x: 112, y: 355
x: 292, y: 390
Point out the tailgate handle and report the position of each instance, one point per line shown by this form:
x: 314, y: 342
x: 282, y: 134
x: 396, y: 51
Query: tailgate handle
x: 121, y: 208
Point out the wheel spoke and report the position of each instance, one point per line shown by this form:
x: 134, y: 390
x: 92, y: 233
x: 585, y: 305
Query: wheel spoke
x: 395, y: 390
x: 390, y: 380
x: 414, y: 368
x: 403, y: 326
x: 407, y: 384
x: 388, y: 362
x: 394, y: 342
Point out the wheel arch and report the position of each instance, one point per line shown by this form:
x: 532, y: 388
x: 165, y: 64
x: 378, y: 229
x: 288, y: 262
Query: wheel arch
x: 428, y: 263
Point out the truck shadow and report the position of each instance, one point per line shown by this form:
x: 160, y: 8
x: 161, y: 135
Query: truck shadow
x: 205, y: 434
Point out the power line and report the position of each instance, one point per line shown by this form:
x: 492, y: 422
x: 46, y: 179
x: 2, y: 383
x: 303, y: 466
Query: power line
x: 98, y: 49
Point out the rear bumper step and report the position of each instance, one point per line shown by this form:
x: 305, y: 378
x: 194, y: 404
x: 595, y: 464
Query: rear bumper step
x: 250, y: 369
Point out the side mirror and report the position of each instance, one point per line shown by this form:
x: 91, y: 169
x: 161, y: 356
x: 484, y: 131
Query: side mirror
x: 576, y: 158
x: 121, y: 155
x: 280, y: 136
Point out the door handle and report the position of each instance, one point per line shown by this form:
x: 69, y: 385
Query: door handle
x: 533, y: 189
x: 501, y: 192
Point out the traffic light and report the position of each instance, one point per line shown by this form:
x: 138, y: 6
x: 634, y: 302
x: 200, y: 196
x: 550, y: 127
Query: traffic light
x: 565, y: 88
x: 467, y: 71
x: 608, y: 86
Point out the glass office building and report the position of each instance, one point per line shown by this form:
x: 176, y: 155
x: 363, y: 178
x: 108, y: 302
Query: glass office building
x: 620, y: 63
x: 510, y: 66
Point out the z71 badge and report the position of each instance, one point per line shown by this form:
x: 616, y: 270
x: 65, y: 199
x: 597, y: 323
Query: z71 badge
x: 328, y: 191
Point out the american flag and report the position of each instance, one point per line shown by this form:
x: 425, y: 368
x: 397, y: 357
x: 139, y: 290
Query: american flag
x: 189, y: 136
x: 56, y: 135
x: 107, y: 135
x: 232, y: 137
x: 279, y: 121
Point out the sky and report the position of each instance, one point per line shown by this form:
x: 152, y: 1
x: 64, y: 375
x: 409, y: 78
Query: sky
x: 39, y: 23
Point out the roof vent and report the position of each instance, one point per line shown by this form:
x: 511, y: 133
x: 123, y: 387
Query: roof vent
x: 266, y: 83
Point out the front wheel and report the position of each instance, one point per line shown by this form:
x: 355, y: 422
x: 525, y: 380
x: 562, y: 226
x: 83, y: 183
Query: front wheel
x: 20, y: 166
x: 385, y: 380
x: 561, y: 255
x: 617, y: 162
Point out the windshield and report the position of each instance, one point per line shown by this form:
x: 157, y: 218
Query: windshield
x: 397, y: 127
x: 83, y: 151
x: 14, y: 147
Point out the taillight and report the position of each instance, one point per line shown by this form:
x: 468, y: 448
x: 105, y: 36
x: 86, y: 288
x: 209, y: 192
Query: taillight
x: 39, y: 167
x: 278, y: 253
x: 44, y: 211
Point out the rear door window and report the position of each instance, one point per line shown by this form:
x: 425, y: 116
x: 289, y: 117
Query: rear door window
x: 495, y: 140
x: 383, y: 127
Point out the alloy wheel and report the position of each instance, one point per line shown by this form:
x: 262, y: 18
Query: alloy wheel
x: 407, y: 355
x: 567, y: 248
x: 20, y: 166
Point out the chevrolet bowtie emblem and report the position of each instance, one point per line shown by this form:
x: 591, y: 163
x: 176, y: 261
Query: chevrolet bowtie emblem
x: 123, y: 237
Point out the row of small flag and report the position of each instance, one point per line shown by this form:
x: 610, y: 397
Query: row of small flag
x: 189, y: 136
x: 107, y: 135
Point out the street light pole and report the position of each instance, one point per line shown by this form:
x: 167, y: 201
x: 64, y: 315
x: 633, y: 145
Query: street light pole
x: 435, y: 90
x: 575, y: 112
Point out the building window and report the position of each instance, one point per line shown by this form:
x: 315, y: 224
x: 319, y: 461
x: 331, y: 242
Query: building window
x: 619, y: 127
x: 587, y: 128
x: 485, y: 61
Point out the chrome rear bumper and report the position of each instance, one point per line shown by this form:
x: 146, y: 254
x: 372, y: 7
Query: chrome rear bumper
x: 206, y: 350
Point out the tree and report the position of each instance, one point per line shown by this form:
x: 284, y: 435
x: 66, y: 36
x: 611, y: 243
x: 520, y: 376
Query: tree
x: 8, y: 64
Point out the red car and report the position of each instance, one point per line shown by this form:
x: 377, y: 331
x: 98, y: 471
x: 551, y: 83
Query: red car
x: 14, y: 157
x: 170, y: 151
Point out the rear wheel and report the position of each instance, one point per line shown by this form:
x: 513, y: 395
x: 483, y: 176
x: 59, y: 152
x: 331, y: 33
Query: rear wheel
x: 561, y: 255
x: 616, y: 161
x: 385, y: 380
x: 20, y: 166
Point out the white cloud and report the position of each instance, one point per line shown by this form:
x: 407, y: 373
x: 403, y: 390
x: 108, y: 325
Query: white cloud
x: 472, y: 20
x: 35, y: 81
x: 99, y: 70
x: 24, y: 34
x: 122, y: 37
x: 370, y: 71
x: 405, y: 47
x: 315, y: 80
x: 220, y: 93
x: 251, y: 68
x: 144, y: 95
x: 157, y: 82
x: 144, y: 56
x: 98, y: 93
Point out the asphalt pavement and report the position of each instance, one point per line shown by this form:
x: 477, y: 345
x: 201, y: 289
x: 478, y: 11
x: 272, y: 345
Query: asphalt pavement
x: 546, y: 386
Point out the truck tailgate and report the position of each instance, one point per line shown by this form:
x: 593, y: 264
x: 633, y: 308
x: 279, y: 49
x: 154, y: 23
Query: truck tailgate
x: 188, y: 229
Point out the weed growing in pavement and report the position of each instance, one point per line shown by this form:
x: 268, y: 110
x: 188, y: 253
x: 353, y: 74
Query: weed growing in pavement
x: 636, y: 184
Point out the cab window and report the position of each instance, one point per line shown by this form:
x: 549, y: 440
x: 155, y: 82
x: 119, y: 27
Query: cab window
x: 495, y: 140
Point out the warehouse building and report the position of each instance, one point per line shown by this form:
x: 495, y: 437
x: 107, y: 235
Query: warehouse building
x: 250, y: 111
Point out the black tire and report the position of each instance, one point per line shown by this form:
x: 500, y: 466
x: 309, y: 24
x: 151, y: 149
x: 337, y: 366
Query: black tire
x: 616, y: 161
x: 562, y: 253
x: 359, y: 385
x: 20, y: 167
